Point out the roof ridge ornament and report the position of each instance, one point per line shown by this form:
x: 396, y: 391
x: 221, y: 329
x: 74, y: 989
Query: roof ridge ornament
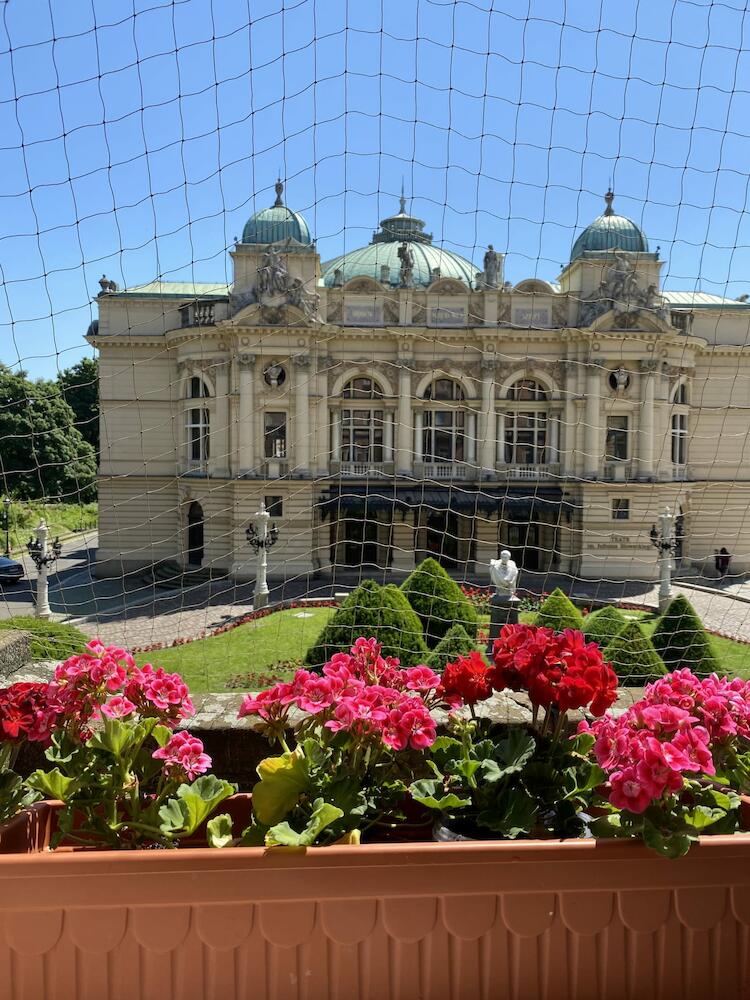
x: 402, y: 200
x: 609, y: 197
x: 279, y: 189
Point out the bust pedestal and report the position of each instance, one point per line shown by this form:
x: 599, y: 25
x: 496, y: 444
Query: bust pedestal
x: 503, y: 611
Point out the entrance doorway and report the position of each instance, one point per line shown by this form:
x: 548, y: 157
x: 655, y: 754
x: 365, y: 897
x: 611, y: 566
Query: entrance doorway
x: 360, y: 541
x: 195, y: 534
x: 441, y: 537
x: 523, y: 542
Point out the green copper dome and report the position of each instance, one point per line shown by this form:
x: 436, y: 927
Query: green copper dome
x: 276, y: 224
x: 610, y: 232
x: 380, y: 260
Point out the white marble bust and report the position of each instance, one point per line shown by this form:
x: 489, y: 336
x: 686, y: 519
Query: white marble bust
x: 504, y: 574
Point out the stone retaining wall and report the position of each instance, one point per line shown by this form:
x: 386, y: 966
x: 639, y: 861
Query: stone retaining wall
x: 14, y: 651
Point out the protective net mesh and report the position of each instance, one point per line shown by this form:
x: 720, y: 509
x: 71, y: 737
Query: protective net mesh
x: 425, y: 280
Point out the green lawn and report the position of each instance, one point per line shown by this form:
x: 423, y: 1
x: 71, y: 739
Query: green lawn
x: 208, y: 664
x: 254, y: 649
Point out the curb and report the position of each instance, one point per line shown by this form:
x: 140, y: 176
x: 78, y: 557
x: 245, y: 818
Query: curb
x: 713, y: 592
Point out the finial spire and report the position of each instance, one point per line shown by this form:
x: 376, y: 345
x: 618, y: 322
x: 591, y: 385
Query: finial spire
x: 402, y: 206
x: 279, y: 188
x: 609, y: 197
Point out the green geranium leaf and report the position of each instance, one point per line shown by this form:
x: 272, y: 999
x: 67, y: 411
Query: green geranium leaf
x: 467, y: 768
x: 429, y: 791
x: 162, y: 735
x: 514, y: 815
x: 723, y: 800
x: 192, y: 804
x: 282, y: 780
x: 219, y: 831
x: 254, y: 835
x: 582, y: 743
x: 323, y: 814
x: 515, y: 751
x: 670, y: 845
x: 54, y: 784
x: 703, y: 816
x: 116, y: 736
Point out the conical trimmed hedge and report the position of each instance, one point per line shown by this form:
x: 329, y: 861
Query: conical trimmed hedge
x: 558, y: 612
x: 456, y: 642
x: 633, y: 657
x: 372, y: 611
x: 603, y: 625
x: 439, y: 602
x: 681, y: 640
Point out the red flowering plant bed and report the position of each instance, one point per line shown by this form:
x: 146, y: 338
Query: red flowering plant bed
x: 674, y: 762
x: 523, y: 780
x: 124, y: 777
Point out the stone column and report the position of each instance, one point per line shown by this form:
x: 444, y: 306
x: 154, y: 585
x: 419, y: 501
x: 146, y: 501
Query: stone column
x: 570, y: 419
x: 488, y: 443
x: 387, y: 435
x: 219, y: 438
x: 592, y: 445
x: 402, y: 540
x: 418, y: 425
x: 403, y: 416
x: 247, y: 458
x: 553, y: 448
x: 335, y: 435
x: 301, y: 459
x: 646, y: 436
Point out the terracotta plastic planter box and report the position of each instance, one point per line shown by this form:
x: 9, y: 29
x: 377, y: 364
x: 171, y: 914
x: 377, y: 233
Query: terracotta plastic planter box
x: 574, y: 920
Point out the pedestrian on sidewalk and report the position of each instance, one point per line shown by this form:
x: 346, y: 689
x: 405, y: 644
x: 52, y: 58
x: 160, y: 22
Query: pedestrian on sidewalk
x: 717, y: 562
x: 724, y: 560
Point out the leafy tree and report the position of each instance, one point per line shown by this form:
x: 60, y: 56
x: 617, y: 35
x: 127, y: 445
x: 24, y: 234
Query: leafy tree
x: 603, y: 625
x: 558, y: 612
x: 80, y: 389
x: 43, y: 454
x: 439, y: 602
x: 681, y: 640
x: 456, y: 642
x: 372, y: 611
x: 633, y: 657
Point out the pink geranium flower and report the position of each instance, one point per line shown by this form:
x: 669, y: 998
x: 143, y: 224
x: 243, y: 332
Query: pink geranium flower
x: 183, y: 753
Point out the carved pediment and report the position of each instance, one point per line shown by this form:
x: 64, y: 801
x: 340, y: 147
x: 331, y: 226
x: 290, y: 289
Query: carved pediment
x: 256, y: 314
x: 645, y: 320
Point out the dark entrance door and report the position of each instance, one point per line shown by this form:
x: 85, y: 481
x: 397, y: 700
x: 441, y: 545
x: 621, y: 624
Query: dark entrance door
x: 360, y: 542
x: 195, y: 534
x: 441, y: 537
x: 523, y: 542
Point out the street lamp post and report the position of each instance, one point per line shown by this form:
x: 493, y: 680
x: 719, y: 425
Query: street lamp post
x: 663, y: 541
x: 6, y: 524
x: 261, y: 537
x: 43, y: 556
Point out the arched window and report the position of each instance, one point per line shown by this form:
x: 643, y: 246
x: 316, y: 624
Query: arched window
x: 527, y: 390
x: 362, y: 387
x: 444, y: 437
x: 362, y: 427
x: 526, y: 430
x: 680, y: 395
x: 197, y: 388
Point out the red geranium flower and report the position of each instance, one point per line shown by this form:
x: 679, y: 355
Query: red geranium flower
x: 466, y: 681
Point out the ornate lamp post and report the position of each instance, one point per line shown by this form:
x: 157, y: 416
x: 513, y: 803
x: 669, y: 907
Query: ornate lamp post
x: 6, y: 524
x: 260, y: 537
x: 664, y: 541
x: 43, y: 557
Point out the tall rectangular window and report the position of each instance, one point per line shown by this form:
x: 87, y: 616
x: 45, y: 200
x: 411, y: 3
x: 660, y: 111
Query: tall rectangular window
x: 621, y: 509
x: 198, y: 434
x: 679, y: 438
x: 616, y: 445
x: 274, y: 435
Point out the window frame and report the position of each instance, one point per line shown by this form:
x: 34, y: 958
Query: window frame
x: 272, y: 454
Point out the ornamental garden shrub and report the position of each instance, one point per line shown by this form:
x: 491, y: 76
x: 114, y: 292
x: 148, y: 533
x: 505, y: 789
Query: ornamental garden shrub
x: 456, y: 642
x: 49, y: 640
x: 439, y: 602
x: 603, y: 625
x: 633, y: 657
x: 376, y: 612
x: 558, y: 613
x: 681, y: 640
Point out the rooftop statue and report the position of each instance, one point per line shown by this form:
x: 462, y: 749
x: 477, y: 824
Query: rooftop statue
x: 491, y: 266
x: 406, y: 257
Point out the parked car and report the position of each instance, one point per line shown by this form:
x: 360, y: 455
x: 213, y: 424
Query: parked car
x: 10, y: 570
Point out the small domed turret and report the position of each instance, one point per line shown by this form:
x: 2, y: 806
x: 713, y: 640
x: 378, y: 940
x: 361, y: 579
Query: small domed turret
x: 610, y: 232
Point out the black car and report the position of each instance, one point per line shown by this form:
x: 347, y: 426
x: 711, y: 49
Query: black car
x: 10, y: 570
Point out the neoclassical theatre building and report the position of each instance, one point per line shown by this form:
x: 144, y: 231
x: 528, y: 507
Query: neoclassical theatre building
x: 400, y: 401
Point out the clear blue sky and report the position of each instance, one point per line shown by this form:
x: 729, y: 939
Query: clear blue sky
x: 137, y: 143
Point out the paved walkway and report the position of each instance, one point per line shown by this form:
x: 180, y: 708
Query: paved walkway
x: 151, y: 615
